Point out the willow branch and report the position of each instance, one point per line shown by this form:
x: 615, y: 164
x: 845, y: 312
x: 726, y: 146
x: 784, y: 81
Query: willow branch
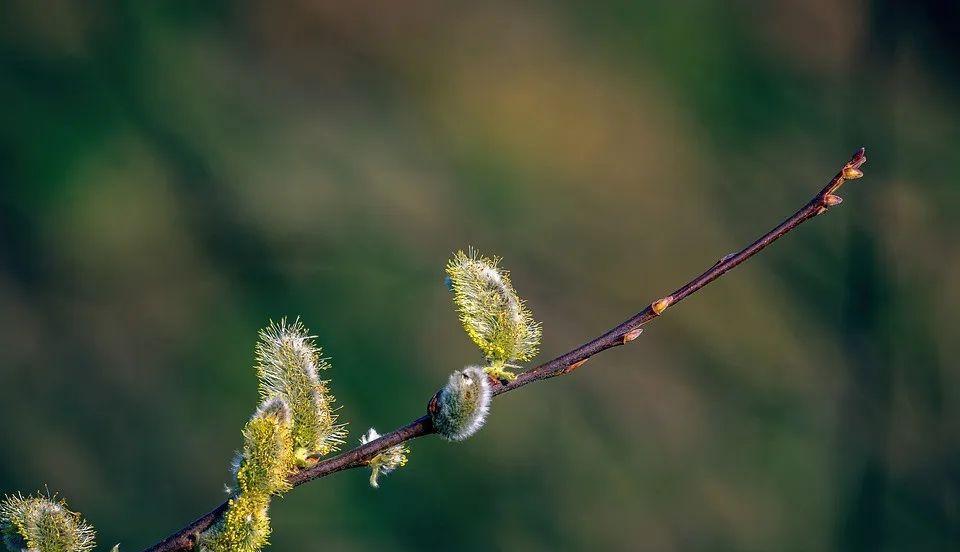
x: 626, y: 332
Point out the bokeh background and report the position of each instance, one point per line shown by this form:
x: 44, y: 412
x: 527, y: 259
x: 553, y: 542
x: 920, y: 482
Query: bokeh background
x: 175, y: 174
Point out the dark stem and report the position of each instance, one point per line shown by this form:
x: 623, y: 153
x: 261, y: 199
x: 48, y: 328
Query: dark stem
x: 186, y: 538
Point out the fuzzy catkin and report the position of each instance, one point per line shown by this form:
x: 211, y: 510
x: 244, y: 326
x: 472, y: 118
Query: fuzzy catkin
x: 267, y: 457
x: 462, y: 406
x: 245, y: 527
x: 288, y: 366
x: 261, y: 470
x: 43, y: 523
x: 491, y: 312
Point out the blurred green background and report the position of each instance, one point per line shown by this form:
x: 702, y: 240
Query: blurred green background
x: 174, y: 174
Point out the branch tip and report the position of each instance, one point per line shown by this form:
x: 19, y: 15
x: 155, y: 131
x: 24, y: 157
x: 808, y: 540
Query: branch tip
x: 858, y: 159
x: 851, y: 171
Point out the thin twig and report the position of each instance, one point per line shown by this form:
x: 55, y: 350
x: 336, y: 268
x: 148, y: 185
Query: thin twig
x: 627, y: 331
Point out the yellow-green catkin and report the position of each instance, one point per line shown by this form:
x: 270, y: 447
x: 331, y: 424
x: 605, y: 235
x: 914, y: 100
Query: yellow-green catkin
x: 267, y: 458
x: 385, y: 462
x: 492, y: 313
x: 261, y: 470
x: 288, y: 364
x: 245, y: 527
x: 43, y: 524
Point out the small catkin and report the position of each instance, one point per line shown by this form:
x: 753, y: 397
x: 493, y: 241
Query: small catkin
x: 385, y: 462
x: 461, y: 407
x: 43, y: 523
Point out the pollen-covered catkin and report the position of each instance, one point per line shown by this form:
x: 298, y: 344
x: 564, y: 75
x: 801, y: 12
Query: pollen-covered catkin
x: 492, y: 313
x: 244, y: 528
x: 267, y: 457
x: 43, y: 523
x: 261, y: 470
x: 461, y: 407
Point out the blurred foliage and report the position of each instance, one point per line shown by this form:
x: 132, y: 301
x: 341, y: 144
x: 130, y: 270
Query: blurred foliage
x: 174, y: 174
